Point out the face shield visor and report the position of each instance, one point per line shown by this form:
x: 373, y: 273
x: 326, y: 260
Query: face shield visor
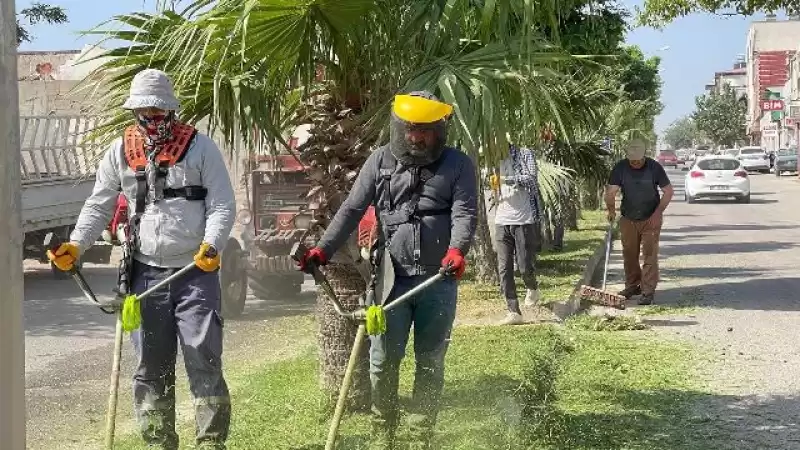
x: 418, y: 128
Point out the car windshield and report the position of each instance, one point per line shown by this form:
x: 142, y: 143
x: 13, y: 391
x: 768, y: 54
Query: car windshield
x: 700, y: 152
x: 787, y: 152
x: 751, y: 151
x: 732, y: 152
x: 718, y: 164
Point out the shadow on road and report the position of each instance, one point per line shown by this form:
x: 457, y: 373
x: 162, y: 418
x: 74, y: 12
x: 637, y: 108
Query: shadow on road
x: 709, y: 272
x: 692, y: 249
x: 776, y: 294
x: 722, y: 227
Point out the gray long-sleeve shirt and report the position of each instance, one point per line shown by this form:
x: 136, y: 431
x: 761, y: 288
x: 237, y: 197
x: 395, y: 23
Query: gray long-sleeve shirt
x: 418, y: 247
x: 172, y: 229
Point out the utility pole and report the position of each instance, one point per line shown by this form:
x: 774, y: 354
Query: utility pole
x: 12, y: 338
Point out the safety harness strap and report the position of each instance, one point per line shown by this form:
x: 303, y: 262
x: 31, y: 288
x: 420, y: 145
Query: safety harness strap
x: 169, y: 155
x: 422, y: 175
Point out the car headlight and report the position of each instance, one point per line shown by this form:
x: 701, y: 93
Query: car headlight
x: 244, y: 217
x: 302, y: 221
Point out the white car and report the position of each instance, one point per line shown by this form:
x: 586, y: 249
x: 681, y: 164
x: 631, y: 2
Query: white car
x: 717, y: 176
x: 754, y: 159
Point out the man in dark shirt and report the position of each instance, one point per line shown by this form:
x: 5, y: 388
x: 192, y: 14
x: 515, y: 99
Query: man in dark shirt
x: 639, y: 177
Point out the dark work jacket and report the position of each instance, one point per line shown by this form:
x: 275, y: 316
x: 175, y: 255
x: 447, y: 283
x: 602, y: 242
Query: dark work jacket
x: 416, y: 247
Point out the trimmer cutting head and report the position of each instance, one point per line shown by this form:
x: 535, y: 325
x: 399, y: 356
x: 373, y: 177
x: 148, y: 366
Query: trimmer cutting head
x: 602, y: 297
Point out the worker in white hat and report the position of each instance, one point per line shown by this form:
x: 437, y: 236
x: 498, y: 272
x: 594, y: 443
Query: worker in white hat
x: 184, y: 207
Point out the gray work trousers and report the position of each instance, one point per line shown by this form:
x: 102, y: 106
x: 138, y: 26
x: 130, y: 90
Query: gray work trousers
x: 185, y: 312
x: 523, y: 242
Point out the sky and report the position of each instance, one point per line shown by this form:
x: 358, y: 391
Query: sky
x: 691, y: 48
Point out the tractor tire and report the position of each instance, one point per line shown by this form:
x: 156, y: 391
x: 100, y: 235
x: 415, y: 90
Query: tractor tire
x: 233, y: 280
x: 269, y: 286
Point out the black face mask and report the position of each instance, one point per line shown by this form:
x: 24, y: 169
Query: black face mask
x: 415, y: 153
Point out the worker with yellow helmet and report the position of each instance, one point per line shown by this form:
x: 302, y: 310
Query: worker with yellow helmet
x: 425, y: 198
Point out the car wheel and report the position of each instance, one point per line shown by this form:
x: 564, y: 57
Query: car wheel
x: 233, y: 280
x: 765, y: 171
x: 690, y: 199
x: 744, y: 199
x: 777, y: 173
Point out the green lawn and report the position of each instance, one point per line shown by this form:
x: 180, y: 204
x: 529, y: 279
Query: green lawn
x: 525, y: 387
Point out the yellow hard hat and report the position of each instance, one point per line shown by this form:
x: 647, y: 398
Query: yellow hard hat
x: 415, y: 109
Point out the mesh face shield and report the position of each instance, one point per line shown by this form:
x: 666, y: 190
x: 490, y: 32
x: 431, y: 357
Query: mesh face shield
x: 411, y: 153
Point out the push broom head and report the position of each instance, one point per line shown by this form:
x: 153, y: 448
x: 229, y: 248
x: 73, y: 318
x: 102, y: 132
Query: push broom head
x: 602, y: 297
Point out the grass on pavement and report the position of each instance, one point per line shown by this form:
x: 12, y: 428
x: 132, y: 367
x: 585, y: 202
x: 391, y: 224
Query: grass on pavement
x: 525, y: 387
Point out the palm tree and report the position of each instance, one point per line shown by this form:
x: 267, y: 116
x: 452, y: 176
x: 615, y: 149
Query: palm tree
x: 233, y: 61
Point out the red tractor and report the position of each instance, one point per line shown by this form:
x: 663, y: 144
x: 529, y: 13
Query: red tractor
x: 278, y: 218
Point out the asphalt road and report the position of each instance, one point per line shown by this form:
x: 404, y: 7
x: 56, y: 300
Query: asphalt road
x: 69, y: 347
x: 738, y: 264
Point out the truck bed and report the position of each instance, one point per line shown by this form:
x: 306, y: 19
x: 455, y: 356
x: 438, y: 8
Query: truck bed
x: 57, y: 168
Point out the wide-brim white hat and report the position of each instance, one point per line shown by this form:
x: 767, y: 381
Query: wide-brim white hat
x: 152, y: 88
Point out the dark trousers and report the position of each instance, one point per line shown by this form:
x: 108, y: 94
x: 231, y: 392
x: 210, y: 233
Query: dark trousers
x: 432, y: 313
x: 522, y: 241
x: 185, y: 312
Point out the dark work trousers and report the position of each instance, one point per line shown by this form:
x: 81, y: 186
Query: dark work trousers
x: 522, y: 241
x: 185, y: 312
x: 432, y: 313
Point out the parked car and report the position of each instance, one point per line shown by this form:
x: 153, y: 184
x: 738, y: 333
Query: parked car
x: 785, y: 161
x: 681, y: 155
x: 717, y: 177
x: 667, y: 158
x: 754, y: 159
x: 731, y: 152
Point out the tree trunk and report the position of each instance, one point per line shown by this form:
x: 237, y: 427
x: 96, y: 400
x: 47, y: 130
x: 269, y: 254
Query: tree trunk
x: 337, y: 335
x: 485, y: 259
x: 571, y: 208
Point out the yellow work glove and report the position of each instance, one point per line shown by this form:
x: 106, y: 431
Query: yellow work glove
x: 65, y: 256
x: 207, y: 258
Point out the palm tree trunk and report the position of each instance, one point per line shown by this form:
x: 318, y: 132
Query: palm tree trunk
x: 336, y: 336
x: 485, y: 256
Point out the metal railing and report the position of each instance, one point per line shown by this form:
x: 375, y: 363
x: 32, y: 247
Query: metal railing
x: 56, y: 148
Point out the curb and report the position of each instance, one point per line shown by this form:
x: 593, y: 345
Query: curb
x: 592, y: 276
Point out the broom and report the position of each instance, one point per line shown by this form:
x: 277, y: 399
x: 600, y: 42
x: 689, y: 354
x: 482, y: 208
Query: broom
x: 600, y: 296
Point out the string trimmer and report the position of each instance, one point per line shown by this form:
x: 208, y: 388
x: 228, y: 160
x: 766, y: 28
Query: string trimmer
x: 126, y: 308
x: 372, y: 321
